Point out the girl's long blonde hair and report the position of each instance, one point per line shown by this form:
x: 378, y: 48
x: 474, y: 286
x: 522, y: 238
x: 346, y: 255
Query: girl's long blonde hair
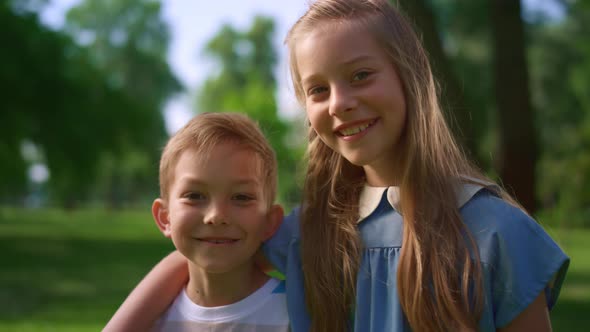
x: 439, y: 275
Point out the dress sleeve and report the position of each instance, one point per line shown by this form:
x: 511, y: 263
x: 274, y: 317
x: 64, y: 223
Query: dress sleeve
x: 519, y: 258
x: 276, y: 249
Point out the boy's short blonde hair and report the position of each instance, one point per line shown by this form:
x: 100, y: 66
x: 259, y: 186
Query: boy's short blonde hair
x: 206, y: 131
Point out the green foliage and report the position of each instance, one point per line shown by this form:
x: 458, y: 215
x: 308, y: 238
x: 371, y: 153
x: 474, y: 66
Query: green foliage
x: 12, y: 173
x: 84, y: 106
x: 246, y: 83
x: 560, y: 70
x: 128, y: 40
x: 22, y: 92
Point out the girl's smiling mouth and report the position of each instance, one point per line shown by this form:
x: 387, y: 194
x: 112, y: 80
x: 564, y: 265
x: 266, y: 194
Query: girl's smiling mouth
x: 348, y: 131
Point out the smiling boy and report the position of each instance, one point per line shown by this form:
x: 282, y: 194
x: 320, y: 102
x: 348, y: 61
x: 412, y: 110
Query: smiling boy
x: 218, y: 178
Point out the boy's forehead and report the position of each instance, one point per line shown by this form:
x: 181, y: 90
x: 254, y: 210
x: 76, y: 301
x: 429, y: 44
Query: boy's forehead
x: 225, y: 149
x: 224, y: 157
x: 229, y: 162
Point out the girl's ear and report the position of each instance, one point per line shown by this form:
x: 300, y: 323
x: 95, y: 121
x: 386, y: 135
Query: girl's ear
x: 161, y: 216
x: 274, y: 220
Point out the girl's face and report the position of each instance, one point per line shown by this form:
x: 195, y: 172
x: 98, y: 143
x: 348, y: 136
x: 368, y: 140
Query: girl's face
x: 353, y: 97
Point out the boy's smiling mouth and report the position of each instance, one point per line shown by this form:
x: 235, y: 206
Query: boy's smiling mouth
x: 217, y: 240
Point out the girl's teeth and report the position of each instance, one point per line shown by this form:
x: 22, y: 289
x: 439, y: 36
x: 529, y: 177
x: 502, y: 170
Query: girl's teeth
x: 353, y: 131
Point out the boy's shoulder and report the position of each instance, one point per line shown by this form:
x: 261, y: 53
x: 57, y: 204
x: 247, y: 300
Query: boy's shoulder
x: 266, y: 306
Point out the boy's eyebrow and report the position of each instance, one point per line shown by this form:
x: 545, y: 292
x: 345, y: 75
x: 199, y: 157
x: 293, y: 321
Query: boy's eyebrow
x: 191, y: 180
x: 197, y: 181
x: 247, y: 182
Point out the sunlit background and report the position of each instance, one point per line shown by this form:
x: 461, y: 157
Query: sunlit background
x: 92, y: 89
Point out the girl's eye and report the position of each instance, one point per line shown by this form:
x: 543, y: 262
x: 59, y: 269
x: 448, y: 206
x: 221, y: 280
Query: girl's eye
x: 361, y: 75
x: 316, y: 90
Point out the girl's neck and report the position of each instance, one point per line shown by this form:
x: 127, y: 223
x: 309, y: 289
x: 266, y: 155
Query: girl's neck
x: 218, y: 289
x: 384, y: 171
x: 381, y: 178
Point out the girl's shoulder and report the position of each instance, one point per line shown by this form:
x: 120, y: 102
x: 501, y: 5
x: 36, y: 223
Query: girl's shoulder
x: 508, y: 239
x: 485, y: 213
x: 518, y: 256
x: 481, y: 205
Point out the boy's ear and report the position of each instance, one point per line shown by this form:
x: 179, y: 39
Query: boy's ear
x: 275, y: 218
x: 161, y: 216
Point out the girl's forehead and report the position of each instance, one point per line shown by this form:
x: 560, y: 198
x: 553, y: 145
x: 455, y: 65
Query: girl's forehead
x: 335, y: 45
x: 330, y: 26
x: 339, y: 34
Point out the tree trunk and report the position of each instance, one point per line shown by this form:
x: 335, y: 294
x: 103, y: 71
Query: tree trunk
x: 453, y: 100
x: 517, y: 145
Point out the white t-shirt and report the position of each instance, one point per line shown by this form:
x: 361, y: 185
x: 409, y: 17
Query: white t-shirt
x: 265, y: 310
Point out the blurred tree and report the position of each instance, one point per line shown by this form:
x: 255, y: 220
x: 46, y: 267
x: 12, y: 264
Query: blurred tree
x: 464, y: 28
x: 12, y: 117
x: 517, y: 135
x: 245, y: 82
x: 30, y: 76
x: 560, y: 59
x: 56, y: 98
x: 454, y: 102
x: 474, y: 53
x: 128, y: 41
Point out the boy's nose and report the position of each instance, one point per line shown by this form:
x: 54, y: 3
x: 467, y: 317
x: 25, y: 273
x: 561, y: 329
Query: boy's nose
x: 341, y: 100
x: 215, y: 215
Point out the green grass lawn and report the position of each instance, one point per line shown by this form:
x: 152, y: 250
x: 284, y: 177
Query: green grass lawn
x: 69, y: 271
x: 572, y: 312
x: 65, y: 271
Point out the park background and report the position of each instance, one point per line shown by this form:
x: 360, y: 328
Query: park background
x: 92, y: 89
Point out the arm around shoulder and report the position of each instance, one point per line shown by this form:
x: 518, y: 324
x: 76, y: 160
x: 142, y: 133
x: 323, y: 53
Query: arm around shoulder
x: 152, y: 296
x: 277, y: 248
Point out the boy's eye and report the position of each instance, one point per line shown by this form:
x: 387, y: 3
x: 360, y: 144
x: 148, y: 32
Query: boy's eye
x: 361, y: 75
x: 195, y: 196
x: 243, y: 197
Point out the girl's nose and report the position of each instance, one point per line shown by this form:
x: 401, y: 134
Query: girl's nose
x: 341, y: 100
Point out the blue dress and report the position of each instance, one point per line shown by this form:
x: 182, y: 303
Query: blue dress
x: 519, y: 260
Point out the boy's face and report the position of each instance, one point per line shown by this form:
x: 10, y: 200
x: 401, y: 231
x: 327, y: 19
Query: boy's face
x: 217, y: 213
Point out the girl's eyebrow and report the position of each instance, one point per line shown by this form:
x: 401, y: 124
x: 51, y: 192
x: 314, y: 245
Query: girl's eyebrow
x: 355, y: 60
x: 309, y: 79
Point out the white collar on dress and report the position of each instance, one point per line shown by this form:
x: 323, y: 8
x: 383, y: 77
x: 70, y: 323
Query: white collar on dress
x: 371, y: 196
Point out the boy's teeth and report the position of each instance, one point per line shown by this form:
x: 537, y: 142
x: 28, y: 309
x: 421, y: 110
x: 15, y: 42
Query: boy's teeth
x: 353, y: 131
x: 220, y: 241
